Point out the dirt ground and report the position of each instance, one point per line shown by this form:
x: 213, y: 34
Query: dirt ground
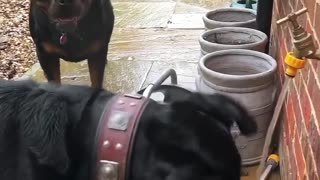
x: 17, y: 52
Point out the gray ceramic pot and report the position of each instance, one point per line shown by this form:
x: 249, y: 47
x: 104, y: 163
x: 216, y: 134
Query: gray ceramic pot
x: 242, y: 4
x: 230, y: 17
x: 232, y: 38
x: 248, y: 77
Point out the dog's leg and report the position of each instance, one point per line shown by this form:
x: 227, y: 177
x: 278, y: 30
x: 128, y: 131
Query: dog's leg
x: 50, y: 66
x: 97, y: 65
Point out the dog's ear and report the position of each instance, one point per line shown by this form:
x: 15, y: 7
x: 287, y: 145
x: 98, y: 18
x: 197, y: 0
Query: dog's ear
x: 43, y: 122
x: 220, y: 107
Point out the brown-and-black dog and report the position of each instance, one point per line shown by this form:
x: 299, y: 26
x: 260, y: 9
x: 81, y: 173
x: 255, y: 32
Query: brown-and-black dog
x: 73, y: 30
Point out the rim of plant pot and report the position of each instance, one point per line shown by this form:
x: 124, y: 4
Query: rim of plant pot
x: 244, y: 1
x: 251, y: 12
x: 256, y: 79
x: 251, y: 45
x: 242, y: 4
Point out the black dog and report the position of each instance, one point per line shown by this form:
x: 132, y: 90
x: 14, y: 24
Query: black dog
x: 73, y: 30
x: 47, y: 132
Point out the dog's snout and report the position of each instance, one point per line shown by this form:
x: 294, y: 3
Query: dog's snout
x: 63, y: 2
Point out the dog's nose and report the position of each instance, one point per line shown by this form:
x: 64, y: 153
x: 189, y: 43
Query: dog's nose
x: 63, y: 2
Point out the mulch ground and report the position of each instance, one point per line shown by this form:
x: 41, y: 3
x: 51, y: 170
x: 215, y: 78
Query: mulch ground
x: 17, y: 52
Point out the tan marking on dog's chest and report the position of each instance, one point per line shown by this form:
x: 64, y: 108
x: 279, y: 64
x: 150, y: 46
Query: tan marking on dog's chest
x: 53, y: 49
x: 94, y: 47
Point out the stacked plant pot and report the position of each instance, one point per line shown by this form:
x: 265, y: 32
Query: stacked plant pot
x: 230, y: 17
x: 251, y: 4
x: 232, y: 38
x: 233, y: 63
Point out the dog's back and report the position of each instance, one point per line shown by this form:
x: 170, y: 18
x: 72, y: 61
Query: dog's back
x: 14, y: 163
x: 33, y: 123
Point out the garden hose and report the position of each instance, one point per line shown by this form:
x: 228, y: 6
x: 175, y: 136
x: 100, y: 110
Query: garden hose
x: 272, y: 163
x: 293, y: 64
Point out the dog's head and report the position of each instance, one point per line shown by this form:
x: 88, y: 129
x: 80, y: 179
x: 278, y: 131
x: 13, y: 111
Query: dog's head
x: 65, y: 13
x: 191, y: 139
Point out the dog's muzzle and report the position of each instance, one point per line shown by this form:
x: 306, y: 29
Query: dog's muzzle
x: 67, y: 27
x: 115, y: 136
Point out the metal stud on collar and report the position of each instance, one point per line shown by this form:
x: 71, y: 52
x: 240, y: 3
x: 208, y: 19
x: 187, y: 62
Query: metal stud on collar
x: 106, y: 144
x: 119, y: 120
x: 108, y: 170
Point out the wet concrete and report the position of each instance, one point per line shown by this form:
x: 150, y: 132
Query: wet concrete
x: 184, y: 70
x: 186, y: 21
x: 183, y: 8
x: 202, y: 3
x: 143, y: 14
x: 121, y: 76
x: 155, y: 45
x: 210, y: 4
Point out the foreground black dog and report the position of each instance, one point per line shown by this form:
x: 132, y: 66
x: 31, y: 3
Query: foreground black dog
x: 49, y: 133
x: 73, y: 30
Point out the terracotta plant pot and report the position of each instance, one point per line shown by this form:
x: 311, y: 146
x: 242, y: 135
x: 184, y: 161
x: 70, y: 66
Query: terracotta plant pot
x: 230, y: 17
x: 248, y: 77
x: 232, y: 38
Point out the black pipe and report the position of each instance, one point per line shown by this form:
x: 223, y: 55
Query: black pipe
x: 264, y: 17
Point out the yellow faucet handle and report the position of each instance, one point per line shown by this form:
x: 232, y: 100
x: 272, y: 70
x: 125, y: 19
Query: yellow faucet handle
x: 293, y: 64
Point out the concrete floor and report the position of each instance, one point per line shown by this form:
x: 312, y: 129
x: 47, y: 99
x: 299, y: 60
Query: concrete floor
x: 150, y: 36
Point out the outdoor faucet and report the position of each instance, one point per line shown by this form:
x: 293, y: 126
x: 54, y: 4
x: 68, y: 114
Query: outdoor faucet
x: 303, y: 44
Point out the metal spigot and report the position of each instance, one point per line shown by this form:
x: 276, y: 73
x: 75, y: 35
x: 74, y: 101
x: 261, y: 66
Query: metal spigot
x: 304, y: 46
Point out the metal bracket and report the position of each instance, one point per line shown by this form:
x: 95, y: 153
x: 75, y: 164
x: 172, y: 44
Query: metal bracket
x: 166, y: 74
x: 135, y: 96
